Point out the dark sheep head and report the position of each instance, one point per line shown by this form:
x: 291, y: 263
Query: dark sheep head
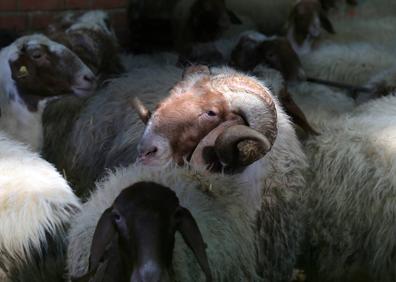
x: 276, y: 53
x: 134, y: 238
x: 306, y: 20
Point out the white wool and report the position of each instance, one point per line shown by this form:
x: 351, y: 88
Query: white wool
x: 352, y: 63
x: 34, y: 199
x: 350, y: 197
x: 320, y: 103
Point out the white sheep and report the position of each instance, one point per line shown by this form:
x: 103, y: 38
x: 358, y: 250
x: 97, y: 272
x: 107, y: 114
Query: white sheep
x: 36, y: 205
x: 350, y: 197
x: 34, y: 69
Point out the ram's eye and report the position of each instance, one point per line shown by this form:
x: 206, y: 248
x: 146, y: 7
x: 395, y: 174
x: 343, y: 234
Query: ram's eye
x: 211, y: 113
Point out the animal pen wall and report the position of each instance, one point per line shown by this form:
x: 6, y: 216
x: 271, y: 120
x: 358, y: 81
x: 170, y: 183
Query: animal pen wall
x: 32, y: 15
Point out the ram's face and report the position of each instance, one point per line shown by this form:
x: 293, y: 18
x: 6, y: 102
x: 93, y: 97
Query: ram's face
x: 181, y: 121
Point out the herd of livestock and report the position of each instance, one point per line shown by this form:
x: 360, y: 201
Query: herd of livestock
x: 235, y: 141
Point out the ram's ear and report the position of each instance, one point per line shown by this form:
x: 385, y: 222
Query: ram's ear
x: 103, y: 239
x: 193, y: 238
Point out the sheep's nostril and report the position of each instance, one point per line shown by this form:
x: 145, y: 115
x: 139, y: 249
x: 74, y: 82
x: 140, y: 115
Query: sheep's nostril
x: 89, y: 77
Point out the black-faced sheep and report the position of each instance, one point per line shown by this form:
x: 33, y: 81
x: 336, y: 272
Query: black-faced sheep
x: 134, y: 239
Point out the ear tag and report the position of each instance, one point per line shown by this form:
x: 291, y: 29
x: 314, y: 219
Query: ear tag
x: 23, y: 72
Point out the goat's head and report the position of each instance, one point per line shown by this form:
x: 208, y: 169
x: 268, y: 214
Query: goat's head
x: 203, y: 102
x: 35, y: 67
x: 208, y: 18
x: 276, y: 52
x: 305, y: 22
x: 135, y: 237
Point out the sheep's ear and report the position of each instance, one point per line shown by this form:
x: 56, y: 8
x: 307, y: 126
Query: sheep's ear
x: 103, y: 239
x: 233, y: 17
x: 326, y: 23
x: 193, y: 238
x: 295, y: 112
x: 142, y: 111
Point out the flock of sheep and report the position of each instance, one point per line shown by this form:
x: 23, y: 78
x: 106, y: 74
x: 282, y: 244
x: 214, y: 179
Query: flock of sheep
x: 253, y: 141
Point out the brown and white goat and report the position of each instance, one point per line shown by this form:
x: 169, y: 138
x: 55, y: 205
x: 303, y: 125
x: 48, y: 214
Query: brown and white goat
x: 135, y: 237
x: 306, y: 20
x: 34, y: 68
x: 91, y: 37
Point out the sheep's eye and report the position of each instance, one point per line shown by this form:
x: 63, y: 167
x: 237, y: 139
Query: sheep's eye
x: 117, y: 217
x: 37, y: 55
x: 211, y: 113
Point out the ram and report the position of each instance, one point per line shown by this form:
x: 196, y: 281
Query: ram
x: 35, y: 69
x: 36, y: 205
x: 240, y: 130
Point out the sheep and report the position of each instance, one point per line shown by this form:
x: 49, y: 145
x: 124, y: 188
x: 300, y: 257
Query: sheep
x: 144, y: 209
x: 222, y: 209
x: 34, y: 69
x: 349, y: 197
x: 304, y: 25
x: 189, y: 22
x: 82, y: 138
x: 36, y: 205
x: 92, y: 38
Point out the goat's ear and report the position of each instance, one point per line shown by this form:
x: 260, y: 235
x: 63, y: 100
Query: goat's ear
x: 326, y: 23
x: 103, y: 239
x: 233, y: 17
x: 193, y: 238
x: 142, y: 111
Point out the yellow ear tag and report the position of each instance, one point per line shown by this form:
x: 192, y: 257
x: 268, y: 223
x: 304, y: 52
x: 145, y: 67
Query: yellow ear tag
x: 23, y: 72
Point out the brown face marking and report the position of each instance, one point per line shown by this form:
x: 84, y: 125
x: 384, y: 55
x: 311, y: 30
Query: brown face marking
x: 188, y: 115
x: 47, y: 73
